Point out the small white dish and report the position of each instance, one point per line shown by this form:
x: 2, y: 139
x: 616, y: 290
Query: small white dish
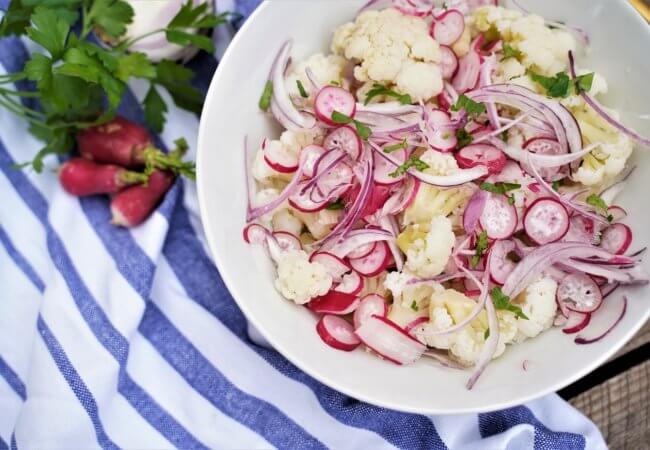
x: 620, y: 39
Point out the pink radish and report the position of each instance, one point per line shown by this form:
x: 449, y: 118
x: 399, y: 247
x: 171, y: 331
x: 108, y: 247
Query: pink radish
x: 511, y: 173
x: 373, y: 264
x: 279, y: 159
x: 580, y: 293
x: 546, y: 220
x: 412, y: 8
x: 256, y: 234
x: 346, y: 139
x: 469, y: 68
x: 481, y: 155
x: 577, y: 322
x: 82, y: 177
x: 287, y: 241
x: 448, y: 27
x: 383, y: 168
x: 335, y: 266
x: 302, y: 201
x: 362, y: 251
x: 582, y: 229
x: 371, y: 304
x: 334, y: 302
x: 331, y: 173
x: 333, y: 98
x: 351, y: 283
x: 544, y: 146
x: 499, y: 218
x: 389, y: 341
x: 448, y: 62
x: 337, y: 333
x: 617, y: 213
x: 309, y: 156
x: 440, y: 134
x: 133, y: 205
x: 500, y: 265
x: 616, y: 238
x: 378, y: 197
x: 444, y: 100
x: 416, y: 325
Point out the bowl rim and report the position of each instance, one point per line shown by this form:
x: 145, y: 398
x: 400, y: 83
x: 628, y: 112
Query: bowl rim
x: 222, y: 264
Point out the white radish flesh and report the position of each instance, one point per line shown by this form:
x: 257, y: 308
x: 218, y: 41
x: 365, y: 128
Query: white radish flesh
x: 309, y: 156
x: 333, y: 98
x: 389, y: 341
x: 371, y: 305
x: 279, y: 159
x: 346, y: 139
x: 351, y: 283
x: 255, y: 234
x: 448, y: 62
x: 546, y: 220
x: 440, y: 133
x: 448, y: 27
x: 374, y: 263
x: 499, y: 219
x: 544, y: 146
x: 500, y: 265
x: 383, y: 168
x: 334, y: 265
x: 362, y: 251
x: 287, y: 241
x: 580, y: 293
x: 469, y: 68
x: 303, y: 201
x: 337, y: 333
x: 481, y: 155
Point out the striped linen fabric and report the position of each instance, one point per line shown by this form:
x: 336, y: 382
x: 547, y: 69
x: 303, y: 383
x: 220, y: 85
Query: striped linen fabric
x: 114, y: 338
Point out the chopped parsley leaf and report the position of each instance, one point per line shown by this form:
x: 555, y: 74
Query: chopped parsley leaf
x: 414, y: 306
x: 363, y: 130
x: 265, y: 99
x: 486, y: 335
x: 510, y: 52
x: 380, y: 89
x: 556, y: 186
x: 557, y: 86
x: 502, y: 301
x: 511, y: 199
x: 582, y: 83
x: 413, y: 161
x: 490, y: 36
x: 482, y: 244
x: 395, y: 147
x: 470, y: 106
x: 335, y: 206
x: 335, y: 83
x: 597, y: 202
x: 500, y: 188
x: 301, y: 89
x: 463, y: 138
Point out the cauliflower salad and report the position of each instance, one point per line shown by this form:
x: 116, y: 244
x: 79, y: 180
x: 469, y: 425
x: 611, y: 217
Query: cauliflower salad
x: 445, y: 184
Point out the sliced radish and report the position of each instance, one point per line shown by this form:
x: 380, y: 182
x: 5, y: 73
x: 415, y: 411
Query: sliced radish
x: 362, y: 251
x: 448, y: 62
x: 416, y: 325
x: 333, y: 98
x: 371, y: 305
x: 255, y: 234
x: 510, y: 173
x: 287, y: 241
x: 546, y: 220
x: 411, y: 8
x: 444, y: 100
x: 383, y: 168
x: 616, y: 238
x: 338, y: 333
x: 352, y: 283
x: 304, y: 201
x: 279, y: 159
x: 440, y: 133
x: 331, y: 172
x: 544, y: 146
x: 373, y: 264
x: 334, y: 302
x: 576, y: 322
x: 469, y: 68
x: 448, y: 27
x: 309, y: 156
x: 335, y: 266
x: 500, y: 265
x: 346, y: 139
x: 601, y: 334
x: 617, y: 213
x: 389, y: 341
x: 580, y: 293
x: 474, y: 211
x: 582, y: 229
x: 499, y: 218
x: 378, y: 196
x: 481, y: 155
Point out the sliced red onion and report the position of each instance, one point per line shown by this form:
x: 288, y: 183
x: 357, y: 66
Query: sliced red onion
x: 442, y: 358
x: 474, y: 210
x: 489, y: 64
x: 438, y: 279
x: 577, y: 322
x: 401, y: 199
x: 582, y: 340
x: 389, y: 224
x: 312, y: 79
x: 542, y: 161
x: 389, y: 108
x: 390, y: 341
x: 500, y: 129
x: 356, y: 239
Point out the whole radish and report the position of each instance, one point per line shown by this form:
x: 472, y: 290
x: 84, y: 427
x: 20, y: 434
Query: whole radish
x: 81, y: 177
x: 133, y: 205
x: 119, y: 141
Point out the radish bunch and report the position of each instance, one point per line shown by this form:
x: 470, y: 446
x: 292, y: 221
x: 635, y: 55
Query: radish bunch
x: 119, y: 159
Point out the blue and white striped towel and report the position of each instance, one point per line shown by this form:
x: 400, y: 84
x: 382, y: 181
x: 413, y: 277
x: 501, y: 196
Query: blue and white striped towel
x: 113, y: 338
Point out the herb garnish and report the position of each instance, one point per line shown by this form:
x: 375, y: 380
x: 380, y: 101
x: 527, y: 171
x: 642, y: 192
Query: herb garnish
x: 502, y: 301
x: 336, y: 205
x: 363, y: 130
x: 561, y: 85
x: 482, y: 244
x: 463, y: 138
x: 556, y: 185
x: 265, y: 99
x: 600, y: 205
x: 414, y: 306
x: 301, y: 89
x: 413, y: 161
x: 501, y: 189
x: 470, y: 106
x: 380, y: 89
x: 395, y: 147
x: 510, y: 52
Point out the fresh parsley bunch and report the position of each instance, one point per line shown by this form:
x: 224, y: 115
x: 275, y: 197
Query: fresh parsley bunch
x: 79, y: 82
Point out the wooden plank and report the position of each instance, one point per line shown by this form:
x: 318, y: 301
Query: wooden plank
x: 620, y: 408
x: 642, y: 337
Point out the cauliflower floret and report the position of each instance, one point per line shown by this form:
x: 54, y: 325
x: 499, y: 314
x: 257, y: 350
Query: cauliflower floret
x: 392, y: 48
x: 263, y: 197
x: 507, y: 70
x: 538, y: 303
x: 543, y: 49
x: 325, y: 69
x: 374, y: 285
x: 284, y: 220
x: 427, y: 256
x: 318, y: 223
x: 300, y: 280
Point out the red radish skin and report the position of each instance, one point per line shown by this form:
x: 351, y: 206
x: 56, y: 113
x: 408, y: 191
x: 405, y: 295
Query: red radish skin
x: 375, y: 263
x: 389, y: 340
x: 583, y: 321
x: 334, y: 302
x: 255, y: 234
x: 362, y: 251
x: 333, y: 98
x: 351, y: 283
x: 371, y: 304
x: 378, y: 196
x: 546, y: 220
x: 481, y: 154
x: 82, y: 177
x: 337, y: 333
x: 287, y: 241
x: 448, y: 62
x: 133, y: 205
x: 616, y: 238
x: 119, y: 141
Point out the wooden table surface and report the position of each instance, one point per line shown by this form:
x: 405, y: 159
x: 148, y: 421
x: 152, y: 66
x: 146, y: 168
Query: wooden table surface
x: 617, y: 395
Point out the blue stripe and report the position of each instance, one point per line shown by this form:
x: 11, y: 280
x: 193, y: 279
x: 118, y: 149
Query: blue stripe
x: 499, y: 422
x: 14, y: 446
x: 95, y: 317
x: 12, y: 379
x: 3, y: 444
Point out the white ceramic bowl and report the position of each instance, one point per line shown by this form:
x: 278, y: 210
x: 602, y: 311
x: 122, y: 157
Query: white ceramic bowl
x: 620, y: 40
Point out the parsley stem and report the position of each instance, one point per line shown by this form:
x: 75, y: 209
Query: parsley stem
x: 8, y: 105
x: 18, y: 93
x: 16, y: 106
x: 125, y: 45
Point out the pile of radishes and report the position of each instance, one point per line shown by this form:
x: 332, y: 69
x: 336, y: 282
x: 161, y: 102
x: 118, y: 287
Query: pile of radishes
x: 368, y: 163
x: 119, y: 159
